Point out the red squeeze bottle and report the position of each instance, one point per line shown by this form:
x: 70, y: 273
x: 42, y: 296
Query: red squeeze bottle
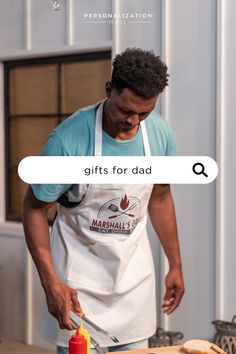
x: 77, y: 344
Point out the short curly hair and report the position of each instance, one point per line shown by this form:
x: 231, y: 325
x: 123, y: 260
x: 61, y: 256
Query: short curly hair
x: 140, y: 71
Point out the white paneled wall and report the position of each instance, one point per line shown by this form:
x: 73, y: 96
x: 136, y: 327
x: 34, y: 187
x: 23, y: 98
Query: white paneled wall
x: 226, y: 147
x: 197, y: 40
x: 12, y: 25
x: 32, y: 28
x: 88, y: 30
x: 2, y: 171
x: 54, y: 34
x: 190, y: 107
x: 138, y: 32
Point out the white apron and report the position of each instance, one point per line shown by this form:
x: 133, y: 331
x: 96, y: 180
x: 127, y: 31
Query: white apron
x: 102, y: 249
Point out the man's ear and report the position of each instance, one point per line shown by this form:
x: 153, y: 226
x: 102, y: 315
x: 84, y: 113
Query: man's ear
x: 108, y: 88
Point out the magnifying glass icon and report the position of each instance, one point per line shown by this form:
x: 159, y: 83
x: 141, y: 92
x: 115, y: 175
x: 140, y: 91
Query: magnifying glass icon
x: 199, y: 169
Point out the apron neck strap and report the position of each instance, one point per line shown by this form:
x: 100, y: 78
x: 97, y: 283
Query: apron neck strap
x: 147, y: 151
x: 98, y: 130
x: 98, y: 133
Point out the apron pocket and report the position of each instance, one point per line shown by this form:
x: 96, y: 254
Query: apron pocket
x: 111, y: 267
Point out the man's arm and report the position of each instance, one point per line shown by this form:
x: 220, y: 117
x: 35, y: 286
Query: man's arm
x: 60, y: 297
x: 162, y: 215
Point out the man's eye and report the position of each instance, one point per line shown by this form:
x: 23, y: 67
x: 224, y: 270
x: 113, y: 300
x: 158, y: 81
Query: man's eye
x: 143, y: 114
x: 123, y: 111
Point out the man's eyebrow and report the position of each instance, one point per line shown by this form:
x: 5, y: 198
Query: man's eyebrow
x: 125, y: 109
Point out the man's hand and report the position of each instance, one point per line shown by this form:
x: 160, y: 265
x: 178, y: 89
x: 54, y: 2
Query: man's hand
x: 174, y: 290
x: 60, y: 297
x: 162, y: 215
x: 60, y: 300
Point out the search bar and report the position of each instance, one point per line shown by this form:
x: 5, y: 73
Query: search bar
x: 118, y: 169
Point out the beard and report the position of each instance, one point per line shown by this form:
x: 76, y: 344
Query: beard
x: 124, y: 127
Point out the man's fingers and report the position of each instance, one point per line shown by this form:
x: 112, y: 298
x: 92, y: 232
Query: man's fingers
x: 168, y: 310
x: 75, y: 302
x: 60, y: 301
x: 65, y: 323
x: 64, y: 320
x: 167, y: 303
x: 170, y: 305
x: 168, y: 297
x: 51, y: 309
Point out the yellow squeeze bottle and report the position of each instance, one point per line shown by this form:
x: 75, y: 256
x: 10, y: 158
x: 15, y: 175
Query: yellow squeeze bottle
x: 86, y: 335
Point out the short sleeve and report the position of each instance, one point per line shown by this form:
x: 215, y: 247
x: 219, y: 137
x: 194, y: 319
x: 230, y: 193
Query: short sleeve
x: 171, y: 146
x: 51, y: 192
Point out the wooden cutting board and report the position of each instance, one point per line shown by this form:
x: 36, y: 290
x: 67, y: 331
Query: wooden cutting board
x: 176, y: 349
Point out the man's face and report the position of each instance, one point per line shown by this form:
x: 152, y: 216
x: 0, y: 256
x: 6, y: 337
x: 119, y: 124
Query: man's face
x: 126, y: 110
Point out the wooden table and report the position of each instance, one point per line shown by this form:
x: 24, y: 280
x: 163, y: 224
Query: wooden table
x: 176, y: 349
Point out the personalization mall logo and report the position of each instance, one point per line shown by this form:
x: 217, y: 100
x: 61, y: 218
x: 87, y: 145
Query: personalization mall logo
x: 117, y: 216
x: 118, y: 18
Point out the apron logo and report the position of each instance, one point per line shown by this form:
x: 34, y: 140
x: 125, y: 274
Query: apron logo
x: 118, y: 215
x: 124, y: 202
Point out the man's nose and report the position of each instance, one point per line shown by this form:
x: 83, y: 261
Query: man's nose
x: 133, y: 119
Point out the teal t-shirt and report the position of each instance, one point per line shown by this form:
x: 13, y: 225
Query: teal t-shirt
x: 75, y: 137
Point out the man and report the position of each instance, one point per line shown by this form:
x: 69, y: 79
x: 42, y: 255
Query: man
x: 98, y: 259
